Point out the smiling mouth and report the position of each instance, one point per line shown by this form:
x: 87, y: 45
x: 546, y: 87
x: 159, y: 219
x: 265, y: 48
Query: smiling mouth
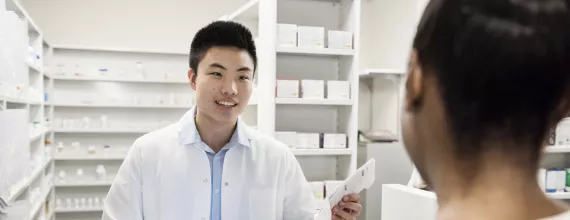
x: 226, y: 104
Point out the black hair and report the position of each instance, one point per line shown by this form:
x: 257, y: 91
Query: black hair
x: 502, y: 67
x: 221, y: 34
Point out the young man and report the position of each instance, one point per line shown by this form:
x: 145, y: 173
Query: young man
x: 487, y: 80
x: 210, y: 165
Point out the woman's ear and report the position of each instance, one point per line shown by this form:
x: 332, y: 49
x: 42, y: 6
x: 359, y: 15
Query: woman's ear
x: 192, y: 77
x: 414, y: 83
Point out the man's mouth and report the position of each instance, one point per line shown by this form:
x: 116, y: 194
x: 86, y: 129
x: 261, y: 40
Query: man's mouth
x: 226, y: 104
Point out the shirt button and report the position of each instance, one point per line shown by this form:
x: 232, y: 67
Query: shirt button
x: 217, y: 191
x: 205, y: 180
x: 226, y: 183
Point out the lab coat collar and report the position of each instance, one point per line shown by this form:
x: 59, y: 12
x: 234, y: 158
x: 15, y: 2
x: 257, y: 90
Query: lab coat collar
x: 188, y: 133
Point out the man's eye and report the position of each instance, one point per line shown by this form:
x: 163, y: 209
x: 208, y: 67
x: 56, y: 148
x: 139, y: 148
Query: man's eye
x: 216, y: 74
x: 243, y: 77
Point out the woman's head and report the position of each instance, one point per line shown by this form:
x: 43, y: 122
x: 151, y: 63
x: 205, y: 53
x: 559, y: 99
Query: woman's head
x: 486, y: 77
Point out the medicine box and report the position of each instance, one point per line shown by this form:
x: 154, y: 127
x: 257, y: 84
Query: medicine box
x: 287, y: 137
x: 313, y: 89
x: 334, y: 141
x: 308, y: 140
x: 338, y: 89
x: 318, y: 189
x: 311, y: 37
x: 331, y: 185
x: 339, y: 39
x: 286, y: 35
x: 288, y: 88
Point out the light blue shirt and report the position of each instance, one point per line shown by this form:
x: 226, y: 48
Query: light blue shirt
x: 191, y: 136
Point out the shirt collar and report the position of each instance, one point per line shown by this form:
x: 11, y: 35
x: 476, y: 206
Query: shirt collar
x: 189, y: 133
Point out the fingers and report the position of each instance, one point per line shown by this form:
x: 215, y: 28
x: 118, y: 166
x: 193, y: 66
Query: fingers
x: 339, y: 214
x: 351, y: 198
x: 351, y: 206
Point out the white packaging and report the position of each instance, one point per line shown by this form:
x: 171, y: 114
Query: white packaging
x: 288, y: 88
x: 311, y: 37
x: 340, y: 39
x: 560, y: 180
x: 338, y: 89
x: 308, y: 140
x: 331, y: 185
x: 313, y: 89
x: 551, y: 176
x: 334, y: 141
x: 286, y: 35
x: 287, y: 137
x: 541, y: 176
x: 318, y: 189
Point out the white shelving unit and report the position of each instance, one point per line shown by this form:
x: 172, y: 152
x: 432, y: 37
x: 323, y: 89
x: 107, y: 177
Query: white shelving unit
x: 299, y: 114
x: 22, y: 57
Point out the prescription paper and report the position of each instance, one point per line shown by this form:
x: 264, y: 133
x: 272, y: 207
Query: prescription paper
x: 362, y: 179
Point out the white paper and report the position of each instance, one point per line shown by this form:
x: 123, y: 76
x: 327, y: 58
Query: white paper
x: 362, y: 179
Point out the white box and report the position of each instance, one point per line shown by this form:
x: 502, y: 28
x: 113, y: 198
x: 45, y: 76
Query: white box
x: 331, y: 185
x: 286, y: 35
x: 334, y: 141
x: 288, y: 88
x: 308, y: 140
x: 287, y: 137
x: 311, y: 37
x: 318, y: 189
x: 338, y: 89
x: 313, y: 89
x: 340, y: 39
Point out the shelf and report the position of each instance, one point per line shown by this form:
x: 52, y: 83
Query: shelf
x: 19, y: 101
x: 14, y: 5
x: 371, y: 73
x: 85, y: 158
x: 302, y: 101
x: 67, y: 210
x: 50, y: 214
x: 559, y: 195
x: 107, y: 79
x: 315, y: 51
x: 159, y: 106
x: 104, y: 131
x: 34, y: 67
x: 24, y: 184
x: 84, y: 184
x: 38, y: 203
x: 558, y: 149
x: 37, y: 135
x: 322, y: 152
x: 124, y: 50
x: 249, y: 10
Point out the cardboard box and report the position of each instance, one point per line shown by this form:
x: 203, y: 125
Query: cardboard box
x: 286, y: 35
x: 287, y: 137
x: 313, y: 89
x: 340, y: 39
x: 334, y: 141
x: 311, y: 37
x: 308, y: 140
x: 338, y: 89
x: 288, y: 88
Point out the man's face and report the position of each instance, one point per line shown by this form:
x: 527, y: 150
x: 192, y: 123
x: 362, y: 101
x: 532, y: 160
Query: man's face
x: 223, y: 83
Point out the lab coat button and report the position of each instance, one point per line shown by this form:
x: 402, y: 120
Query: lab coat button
x: 226, y: 184
x: 205, y: 180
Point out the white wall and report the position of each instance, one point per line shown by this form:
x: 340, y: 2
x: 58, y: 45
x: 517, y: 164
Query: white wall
x: 158, y: 25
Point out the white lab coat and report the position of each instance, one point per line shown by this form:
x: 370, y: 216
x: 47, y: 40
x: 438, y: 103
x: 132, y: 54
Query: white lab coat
x: 163, y: 180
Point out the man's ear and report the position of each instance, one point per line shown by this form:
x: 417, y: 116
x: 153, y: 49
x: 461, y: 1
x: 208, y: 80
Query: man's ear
x: 414, y: 83
x: 192, y: 77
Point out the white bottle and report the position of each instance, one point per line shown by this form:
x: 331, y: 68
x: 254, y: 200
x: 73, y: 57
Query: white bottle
x: 101, y: 173
x: 86, y: 123
x: 62, y: 176
x: 104, y: 123
x: 76, y: 203
x: 91, y: 150
x: 60, y: 147
x: 58, y: 203
x: 96, y: 202
x: 83, y: 202
x: 90, y: 202
x: 68, y: 203
x: 79, y: 175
